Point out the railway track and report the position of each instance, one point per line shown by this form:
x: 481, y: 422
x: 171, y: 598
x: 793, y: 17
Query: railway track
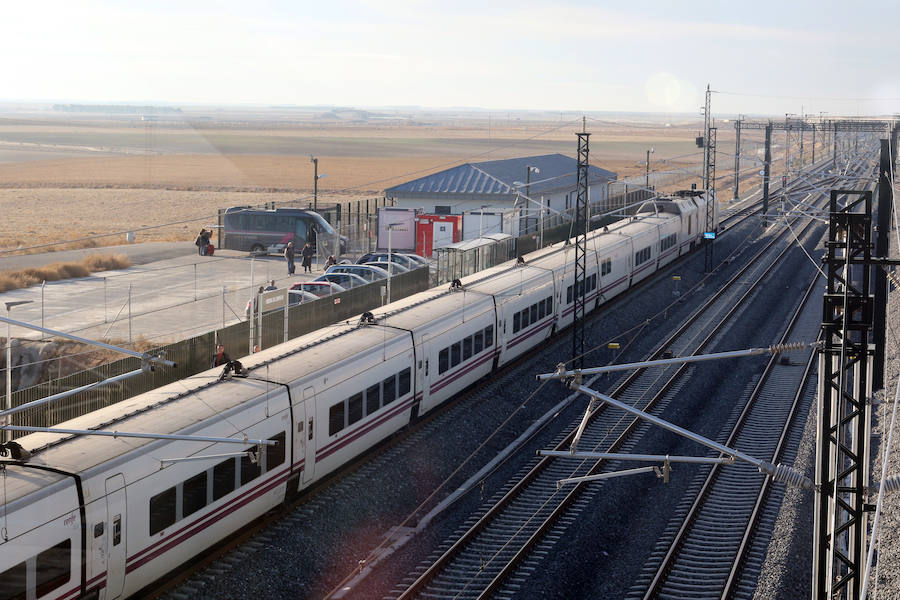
x: 717, y: 531
x: 497, y: 552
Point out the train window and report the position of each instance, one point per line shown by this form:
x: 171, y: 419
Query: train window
x: 389, y: 389
x: 455, y: 353
x: 642, y: 255
x: 12, y: 583
x: 479, y: 342
x: 606, y: 266
x: 534, y: 314
x: 336, y: 418
x: 54, y: 568
x: 373, y: 398
x: 517, y: 322
x: 569, y: 294
x: 250, y: 470
x: 443, y: 360
x: 193, y: 496
x: 542, y: 310
x: 488, y: 336
x: 524, y: 314
x: 405, y: 382
x: 467, y: 347
x: 549, y: 303
x: 162, y: 510
x: 223, y: 478
x: 593, y: 282
x: 354, y: 408
x: 275, y: 454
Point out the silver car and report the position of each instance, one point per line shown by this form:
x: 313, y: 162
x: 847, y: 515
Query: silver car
x: 368, y: 272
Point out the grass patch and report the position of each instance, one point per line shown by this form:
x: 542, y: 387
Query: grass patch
x: 22, y: 278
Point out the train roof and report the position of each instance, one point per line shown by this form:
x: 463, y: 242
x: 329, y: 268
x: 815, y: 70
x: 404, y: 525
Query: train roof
x: 183, y: 404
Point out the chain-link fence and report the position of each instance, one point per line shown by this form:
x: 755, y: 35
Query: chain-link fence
x: 195, y: 354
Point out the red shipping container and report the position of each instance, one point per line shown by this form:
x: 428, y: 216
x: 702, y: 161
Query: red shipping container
x: 435, y: 231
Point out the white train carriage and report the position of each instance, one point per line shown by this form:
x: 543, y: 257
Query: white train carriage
x: 454, y: 334
x: 349, y: 390
x: 43, y: 533
x: 141, y: 515
x: 524, y: 298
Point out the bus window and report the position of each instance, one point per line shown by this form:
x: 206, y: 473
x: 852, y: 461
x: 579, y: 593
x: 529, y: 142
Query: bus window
x: 300, y: 228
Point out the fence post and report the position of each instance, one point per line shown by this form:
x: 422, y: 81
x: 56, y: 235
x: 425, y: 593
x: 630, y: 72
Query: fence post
x: 129, y: 313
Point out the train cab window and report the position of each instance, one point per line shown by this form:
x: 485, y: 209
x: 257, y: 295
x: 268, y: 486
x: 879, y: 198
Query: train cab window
x: 53, y: 568
x: 443, y: 360
x: 193, y: 496
x: 479, y: 342
x: 223, y: 478
x: 373, y: 398
x: 250, y: 470
x: 534, y: 314
x: 488, y: 336
x: 455, y: 354
x: 336, y: 418
x: 517, y: 322
x: 162, y: 510
x: 405, y: 380
x: 275, y: 454
x: 354, y: 408
x: 12, y: 583
x: 389, y: 389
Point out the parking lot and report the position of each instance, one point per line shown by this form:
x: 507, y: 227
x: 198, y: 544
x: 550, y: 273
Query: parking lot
x: 160, y: 301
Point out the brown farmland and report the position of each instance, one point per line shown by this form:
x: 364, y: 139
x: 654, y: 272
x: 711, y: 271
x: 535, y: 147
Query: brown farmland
x: 63, y: 180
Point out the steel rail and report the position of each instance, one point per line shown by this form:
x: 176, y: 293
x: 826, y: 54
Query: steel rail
x: 423, y: 580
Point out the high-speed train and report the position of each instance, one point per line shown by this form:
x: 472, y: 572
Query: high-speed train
x: 103, y: 517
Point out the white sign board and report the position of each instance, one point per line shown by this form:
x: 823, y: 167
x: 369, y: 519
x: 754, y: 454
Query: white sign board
x: 403, y: 237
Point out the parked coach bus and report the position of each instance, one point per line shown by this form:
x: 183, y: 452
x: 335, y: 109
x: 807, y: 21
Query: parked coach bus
x: 257, y: 230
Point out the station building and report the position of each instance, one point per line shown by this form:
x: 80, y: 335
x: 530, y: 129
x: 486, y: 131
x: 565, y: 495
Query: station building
x: 522, y: 186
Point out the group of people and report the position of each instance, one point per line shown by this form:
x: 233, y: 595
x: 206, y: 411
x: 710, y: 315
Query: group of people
x: 204, y: 246
x: 306, y: 254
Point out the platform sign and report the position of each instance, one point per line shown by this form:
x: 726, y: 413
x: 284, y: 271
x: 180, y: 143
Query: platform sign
x: 709, y: 235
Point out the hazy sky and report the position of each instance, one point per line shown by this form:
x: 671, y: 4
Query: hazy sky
x: 566, y: 55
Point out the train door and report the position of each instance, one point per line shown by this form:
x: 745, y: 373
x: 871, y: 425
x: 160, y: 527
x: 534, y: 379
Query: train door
x: 307, y: 437
x: 115, y: 536
x: 426, y: 368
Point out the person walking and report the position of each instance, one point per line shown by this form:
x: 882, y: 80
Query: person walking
x: 307, y: 253
x: 289, y: 257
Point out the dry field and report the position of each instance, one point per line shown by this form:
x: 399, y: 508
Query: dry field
x: 62, y: 179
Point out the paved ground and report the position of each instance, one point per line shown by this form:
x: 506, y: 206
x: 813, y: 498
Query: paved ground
x: 170, y: 293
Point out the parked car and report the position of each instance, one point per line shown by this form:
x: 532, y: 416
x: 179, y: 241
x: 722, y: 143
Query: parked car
x: 294, y: 297
x: 396, y: 257
x: 394, y: 268
x: 319, y: 288
x: 345, y: 280
x: 416, y: 258
x: 368, y: 272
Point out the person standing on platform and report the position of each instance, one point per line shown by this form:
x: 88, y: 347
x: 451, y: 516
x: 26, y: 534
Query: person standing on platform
x: 221, y: 357
x: 307, y: 253
x: 289, y: 257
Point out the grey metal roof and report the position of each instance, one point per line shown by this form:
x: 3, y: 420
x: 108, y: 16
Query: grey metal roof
x: 498, y: 177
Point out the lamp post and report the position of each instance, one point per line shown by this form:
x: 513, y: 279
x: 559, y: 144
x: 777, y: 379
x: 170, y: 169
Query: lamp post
x: 649, y: 152
x: 316, y: 178
x: 528, y: 171
x: 391, y: 228
x: 9, y: 306
x: 481, y: 220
